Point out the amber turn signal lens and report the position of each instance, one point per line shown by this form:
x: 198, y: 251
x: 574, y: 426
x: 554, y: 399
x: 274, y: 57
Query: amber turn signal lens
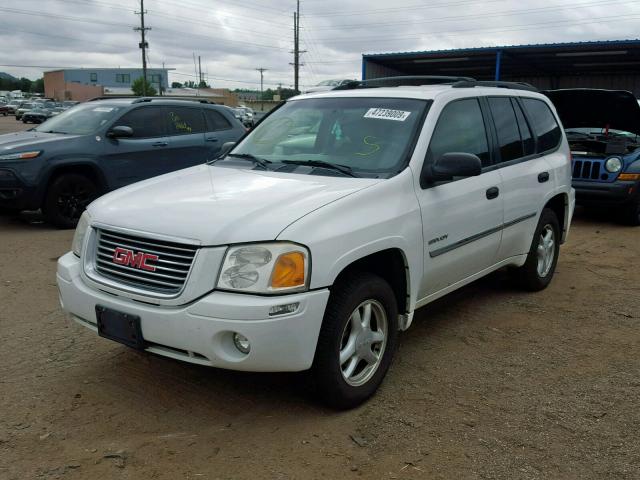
x: 629, y: 176
x: 288, y: 271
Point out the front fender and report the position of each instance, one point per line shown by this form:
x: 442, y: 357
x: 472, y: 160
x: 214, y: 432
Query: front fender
x: 381, y: 217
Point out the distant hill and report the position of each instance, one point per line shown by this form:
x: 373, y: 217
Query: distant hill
x: 7, y: 76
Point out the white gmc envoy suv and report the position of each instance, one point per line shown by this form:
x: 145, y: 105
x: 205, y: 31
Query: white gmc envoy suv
x: 313, y: 240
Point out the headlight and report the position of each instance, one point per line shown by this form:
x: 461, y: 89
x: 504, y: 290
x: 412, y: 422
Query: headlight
x: 81, y: 231
x: 21, y: 155
x: 265, y: 268
x: 613, y: 165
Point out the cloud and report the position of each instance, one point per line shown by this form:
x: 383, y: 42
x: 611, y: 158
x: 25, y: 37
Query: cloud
x: 234, y: 37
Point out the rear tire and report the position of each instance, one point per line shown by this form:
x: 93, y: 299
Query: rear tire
x: 67, y: 197
x: 357, y: 340
x: 538, y: 270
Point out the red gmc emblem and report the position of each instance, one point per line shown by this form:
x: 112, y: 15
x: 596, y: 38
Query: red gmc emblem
x: 128, y: 258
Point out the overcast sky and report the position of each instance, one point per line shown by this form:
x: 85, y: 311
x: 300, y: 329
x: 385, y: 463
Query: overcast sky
x: 234, y: 37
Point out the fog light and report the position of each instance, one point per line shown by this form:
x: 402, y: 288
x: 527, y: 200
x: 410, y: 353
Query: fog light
x: 283, y: 309
x: 241, y: 343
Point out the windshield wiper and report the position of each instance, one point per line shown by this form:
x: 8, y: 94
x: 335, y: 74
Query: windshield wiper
x: 322, y: 164
x: 263, y: 162
x: 54, y: 131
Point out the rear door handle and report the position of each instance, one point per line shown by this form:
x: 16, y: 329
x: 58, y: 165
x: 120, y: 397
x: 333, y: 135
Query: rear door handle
x: 493, y: 192
x: 159, y: 144
x: 211, y: 139
x: 543, y: 177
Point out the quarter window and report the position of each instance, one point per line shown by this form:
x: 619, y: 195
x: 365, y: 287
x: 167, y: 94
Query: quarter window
x: 460, y: 128
x: 215, y: 120
x: 504, y: 118
x: 146, y: 122
x: 544, y: 124
x: 528, y: 143
x: 184, y: 120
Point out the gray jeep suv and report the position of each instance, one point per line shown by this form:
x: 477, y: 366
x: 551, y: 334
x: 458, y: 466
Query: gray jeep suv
x: 66, y: 162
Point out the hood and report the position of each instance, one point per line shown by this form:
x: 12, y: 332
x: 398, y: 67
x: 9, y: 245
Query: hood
x: 583, y: 107
x: 219, y: 205
x: 14, y: 142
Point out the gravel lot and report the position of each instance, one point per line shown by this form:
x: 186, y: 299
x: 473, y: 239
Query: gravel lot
x: 9, y: 124
x: 489, y: 383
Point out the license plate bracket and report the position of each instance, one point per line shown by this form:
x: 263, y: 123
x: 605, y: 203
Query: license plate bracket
x: 120, y: 327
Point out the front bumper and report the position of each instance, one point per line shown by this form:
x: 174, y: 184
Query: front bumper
x: 616, y: 193
x: 202, y: 331
x: 14, y: 193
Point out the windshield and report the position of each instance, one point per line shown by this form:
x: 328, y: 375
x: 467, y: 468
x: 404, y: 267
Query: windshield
x: 370, y: 136
x: 82, y: 119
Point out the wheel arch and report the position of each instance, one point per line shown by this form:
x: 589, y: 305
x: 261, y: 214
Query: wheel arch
x: 559, y: 204
x: 392, y: 265
x: 87, y: 168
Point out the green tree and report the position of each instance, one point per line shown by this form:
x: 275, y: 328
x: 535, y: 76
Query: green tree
x: 38, y: 86
x: 141, y: 87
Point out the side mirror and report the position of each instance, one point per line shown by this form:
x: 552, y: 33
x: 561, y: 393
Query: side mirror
x: 120, y: 132
x: 226, y: 148
x: 454, y: 164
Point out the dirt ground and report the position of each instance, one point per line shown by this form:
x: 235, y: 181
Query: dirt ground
x: 489, y: 383
x: 9, y: 124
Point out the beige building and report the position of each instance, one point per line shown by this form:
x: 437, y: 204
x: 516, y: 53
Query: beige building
x: 57, y: 88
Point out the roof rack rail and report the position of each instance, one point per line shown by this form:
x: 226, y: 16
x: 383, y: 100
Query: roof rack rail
x: 497, y: 84
x: 110, y: 97
x: 414, y: 80
x: 150, y: 99
x: 164, y: 97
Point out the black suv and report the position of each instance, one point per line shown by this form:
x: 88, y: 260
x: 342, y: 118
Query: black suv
x: 66, y: 162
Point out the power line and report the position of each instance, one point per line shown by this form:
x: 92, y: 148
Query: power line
x: 486, y: 30
x: 475, y: 16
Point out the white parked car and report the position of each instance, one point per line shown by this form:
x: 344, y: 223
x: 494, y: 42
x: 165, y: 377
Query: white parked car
x: 315, y: 239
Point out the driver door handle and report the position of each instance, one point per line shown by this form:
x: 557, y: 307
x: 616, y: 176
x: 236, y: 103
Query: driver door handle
x: 492, y: 193
x: 159, y: 144
x: 211, y: 139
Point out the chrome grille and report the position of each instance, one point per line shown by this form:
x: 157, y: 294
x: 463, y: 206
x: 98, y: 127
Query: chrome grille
x: 171, y: 267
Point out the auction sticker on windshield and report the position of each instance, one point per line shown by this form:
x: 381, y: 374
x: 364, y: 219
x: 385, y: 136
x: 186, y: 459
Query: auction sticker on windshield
x: 387, y: 114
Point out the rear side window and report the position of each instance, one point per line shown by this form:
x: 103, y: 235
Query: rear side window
x: 504, y: 118
x: 215, y: 120
x: 544, y: 124
x: 460, y: 128
x: 146, y: 122
x: 528, y: 143
x: 184, y: 120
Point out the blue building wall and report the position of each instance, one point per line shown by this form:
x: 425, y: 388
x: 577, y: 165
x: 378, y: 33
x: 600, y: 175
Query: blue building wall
x: 116, y: 77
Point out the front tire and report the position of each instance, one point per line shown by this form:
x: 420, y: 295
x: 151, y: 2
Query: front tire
x: 357, y: 340
x: 67, y: 197
x: 538, y: 270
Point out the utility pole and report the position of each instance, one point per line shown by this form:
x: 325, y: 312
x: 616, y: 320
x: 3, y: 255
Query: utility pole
x: 261, y: 70
x: 143, y: 45
x: 199, y: 72
x: 296, y: 47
